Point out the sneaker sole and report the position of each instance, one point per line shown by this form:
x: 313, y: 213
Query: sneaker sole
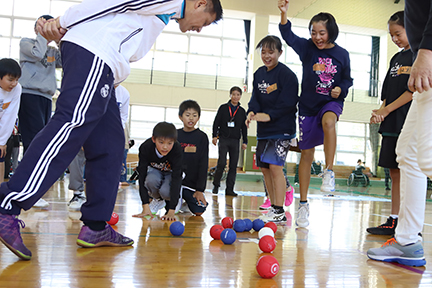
x: 302, y: 225
x: 16, y: 252
x: 389, y: 233
x: 103, y: 243
x: 415, y: 262
x: 327, y: 190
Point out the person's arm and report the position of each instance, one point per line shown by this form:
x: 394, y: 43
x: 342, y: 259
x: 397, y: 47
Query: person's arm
x: 33, y: 51
x: 176, y: 161
x: 10, y: 114
x: 143, y: 164
x: 244, y: 131
x: 123, y: 96
x: 203, y: 157
x: 340, y: 90
x: 89, y: 10
x: 216, y: 124
x: 420, y: 79
x: 384, y: 111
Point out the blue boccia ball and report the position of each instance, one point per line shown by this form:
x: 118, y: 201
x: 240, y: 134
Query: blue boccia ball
x: 239, y: 225
x: 258, y: 224
x: 228, y: 236
x: 248, y: 224
x: 176, y: 228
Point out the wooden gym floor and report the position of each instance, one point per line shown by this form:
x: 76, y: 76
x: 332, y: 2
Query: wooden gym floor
x: 331, y: 252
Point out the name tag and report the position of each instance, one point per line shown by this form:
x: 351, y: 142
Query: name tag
x: 231, y: 124
x: 190, y: 149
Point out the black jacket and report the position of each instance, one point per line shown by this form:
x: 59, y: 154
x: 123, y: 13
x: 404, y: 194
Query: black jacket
x: 220, y: 124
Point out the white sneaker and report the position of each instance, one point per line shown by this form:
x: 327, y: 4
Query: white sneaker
x: 41, y: 203
x: 328, y: 181
x: 267, y: 215
x: 302, y: 215
x: 77, y: 201
x: 274, y: 217
x: 156, y: 205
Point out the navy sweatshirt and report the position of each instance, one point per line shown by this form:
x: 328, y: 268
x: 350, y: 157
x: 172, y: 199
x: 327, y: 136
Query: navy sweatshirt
x: 275, y: 93
x: 322, y: 71
x: 195, y: 147
x: 172, y: 162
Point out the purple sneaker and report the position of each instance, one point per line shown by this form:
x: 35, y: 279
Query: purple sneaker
x: 10, y: 235
x: 107, y: 237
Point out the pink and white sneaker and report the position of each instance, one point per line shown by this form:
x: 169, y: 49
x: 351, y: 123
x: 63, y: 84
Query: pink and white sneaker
x: 289, y: 196
x: 266, y: 205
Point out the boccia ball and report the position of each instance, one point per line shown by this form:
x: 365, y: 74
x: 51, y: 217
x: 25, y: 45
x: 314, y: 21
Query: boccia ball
x: 265, y: 231
x: 271, y: 225
x: 257, y: 224
x: 215, y: 231
x: 267, y: 244
x: 176, y: 228
x: 228, y: 236
x: 239, y: 225
x: 267, y: 266
x: 114, y: 219
x: 227, y: 222
x: 248, y: 224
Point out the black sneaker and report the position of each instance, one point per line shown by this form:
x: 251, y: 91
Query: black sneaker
x: 215, y: 190
x: 230, y: 193
x: 387, y: 228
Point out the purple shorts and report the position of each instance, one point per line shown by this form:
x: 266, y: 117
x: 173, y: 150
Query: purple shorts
x: 311, y: 133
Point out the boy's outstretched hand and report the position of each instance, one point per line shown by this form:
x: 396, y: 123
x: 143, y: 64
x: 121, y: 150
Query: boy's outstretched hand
x: 50, y: 29
x: 283, y: 5
x: 146, y: 212
x: 169, y: 216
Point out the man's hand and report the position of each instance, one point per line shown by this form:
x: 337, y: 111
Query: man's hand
x: 199, y: 196
x: 169, y: 216
x: 335, y: 92
x: 50, y: 29
x: 244, y: 146
x: 421, y: 72
x: 214, y: 141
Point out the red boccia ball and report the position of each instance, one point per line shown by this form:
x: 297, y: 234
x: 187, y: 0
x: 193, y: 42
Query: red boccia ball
x: 271, y: 225
x: 227, y: 222
x: 267, y: 244
x: 215, y: 231
x: 267, y: 266
x: 114, y: 219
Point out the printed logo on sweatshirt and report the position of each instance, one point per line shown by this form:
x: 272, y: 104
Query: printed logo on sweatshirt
x: 104, y: 91
x: 325, y: 71
x: 166, y: 166
x: 266, y: 88
x: 398, y: 69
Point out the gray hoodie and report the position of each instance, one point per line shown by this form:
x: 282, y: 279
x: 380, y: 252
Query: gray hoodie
x: 38, y: 63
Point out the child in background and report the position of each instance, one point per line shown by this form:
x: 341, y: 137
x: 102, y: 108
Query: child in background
x: 195, y: 146
x: 10, y: 93
x: 273, y: 105
x: 396, y: 99
x: 159, y: 168
x: 326, y: 79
